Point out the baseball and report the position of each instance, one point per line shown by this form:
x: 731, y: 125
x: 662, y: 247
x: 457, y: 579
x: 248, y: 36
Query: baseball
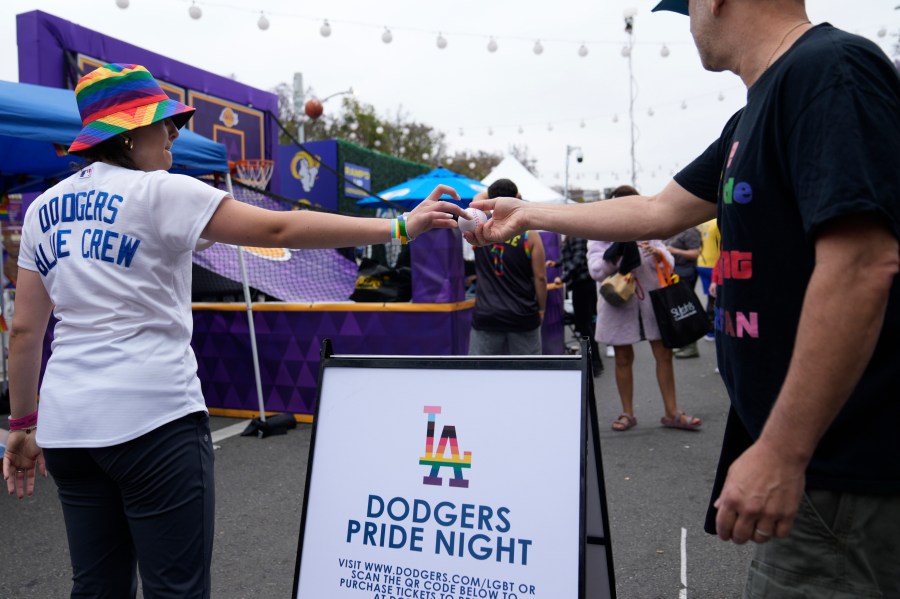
x: 477, y: 217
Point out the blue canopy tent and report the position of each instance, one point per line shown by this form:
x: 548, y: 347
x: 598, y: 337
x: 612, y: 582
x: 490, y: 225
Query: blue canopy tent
x: 411, y: 192
x: 36, y: 120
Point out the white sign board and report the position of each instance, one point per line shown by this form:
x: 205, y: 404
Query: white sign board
x: 446, y: 479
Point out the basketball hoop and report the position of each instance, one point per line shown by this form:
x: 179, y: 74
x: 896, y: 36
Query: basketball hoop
x: 255, y: 173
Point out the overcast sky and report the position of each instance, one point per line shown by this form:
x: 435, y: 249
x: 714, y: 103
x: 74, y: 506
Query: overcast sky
x: 478, y: 98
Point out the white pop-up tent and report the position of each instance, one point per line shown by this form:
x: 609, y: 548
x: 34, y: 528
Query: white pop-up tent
x: 531, y: 189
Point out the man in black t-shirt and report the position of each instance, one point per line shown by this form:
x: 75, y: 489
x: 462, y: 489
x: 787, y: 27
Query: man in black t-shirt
x: 510, y: 291
x: 805, y: 183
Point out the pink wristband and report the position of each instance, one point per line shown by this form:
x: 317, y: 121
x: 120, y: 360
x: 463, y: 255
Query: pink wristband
x: 16, y: 424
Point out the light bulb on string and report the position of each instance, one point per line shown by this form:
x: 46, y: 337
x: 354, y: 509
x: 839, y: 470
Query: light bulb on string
x: 352, y: 135
x: 441, y: 41
x: 472, y: 166
x: 521, y: 130
x: 123, y: 4
x: 387, y: 37
x: 882, y: 32
x: 425, y: 155
x: 684, y: 104
x: 379, y: 129
x: 195, y: 11
x: 325, y: 29
x: 549, y: 126
x: 377, y: 143
x: 615, y: 118
x: 650, y: 112
x: 538, y: 48
x: 492, y: 46
x: 448, y: 160
x: 582, y: 51
x: 461, y: 132
x: 582, y: 124
x: 490, y: 131
x: 664, y: 51
x: 402, y: 149
x: 263, y: 22
x: 626, y: 51
x: 721, y: 96
x: 353, y: 126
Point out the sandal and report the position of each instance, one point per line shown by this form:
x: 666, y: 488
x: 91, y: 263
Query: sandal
x: 624, y: 422
x: 682, y: 421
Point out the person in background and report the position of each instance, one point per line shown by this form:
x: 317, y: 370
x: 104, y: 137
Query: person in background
x: 124, y: 430
x: 685, y: 247
x: 577, y: 279
x: 634, y: 321
x: 804, y: 183
x: 709, y: 255
x: 510, y: 292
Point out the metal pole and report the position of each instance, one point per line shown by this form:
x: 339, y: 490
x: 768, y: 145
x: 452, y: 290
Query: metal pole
x: 631, y: 103
x: 240, y: 250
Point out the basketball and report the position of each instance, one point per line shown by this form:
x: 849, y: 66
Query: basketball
x: 313, y: 108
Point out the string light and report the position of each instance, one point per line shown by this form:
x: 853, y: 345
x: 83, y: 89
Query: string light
x: 325, y: 29
x: 379, y: 129
x: 582, y: 124
x: 582, y: 50
x: 615, y: 118
x: 195, y: 11
x: 626, y: 51
x: 263, y: 22
x: 472, y: 165
x: 425, y: 155
x: 492, y: 45
x: 684, y: 104
x: 441, y: 41
x: 650, y: 111
x: 387, y: 37
x: 882, y: 32
x: 123, y: 4
x: 538, y: 48
x: 664, y: 51
x: 721, y: 96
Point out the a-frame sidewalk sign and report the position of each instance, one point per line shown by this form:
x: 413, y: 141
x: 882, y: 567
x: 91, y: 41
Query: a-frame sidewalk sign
x: 454, y: 478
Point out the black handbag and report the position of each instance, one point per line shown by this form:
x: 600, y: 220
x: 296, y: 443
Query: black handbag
x: 679, y: 314
x: 378, y: 283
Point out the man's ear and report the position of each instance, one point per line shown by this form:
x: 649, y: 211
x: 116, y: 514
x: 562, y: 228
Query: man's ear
x: 715, y: 7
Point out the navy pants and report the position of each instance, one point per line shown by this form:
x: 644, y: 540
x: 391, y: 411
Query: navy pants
x: 147, y: 503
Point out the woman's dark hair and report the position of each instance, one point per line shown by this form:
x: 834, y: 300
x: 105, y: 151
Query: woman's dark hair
x: 503, y: 188
x: 624, y: 190
x: 112, y: 151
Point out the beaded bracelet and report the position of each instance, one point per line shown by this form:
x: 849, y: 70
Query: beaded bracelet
x: 25, y: 422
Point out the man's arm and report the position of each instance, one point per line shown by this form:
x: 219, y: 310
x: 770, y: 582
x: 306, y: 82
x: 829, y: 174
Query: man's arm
x: 539, y: 269
x: 763, y: 488
x: 660, y: 216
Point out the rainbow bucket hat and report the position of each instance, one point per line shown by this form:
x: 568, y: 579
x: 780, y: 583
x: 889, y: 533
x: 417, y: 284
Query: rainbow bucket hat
x: 120, y: 97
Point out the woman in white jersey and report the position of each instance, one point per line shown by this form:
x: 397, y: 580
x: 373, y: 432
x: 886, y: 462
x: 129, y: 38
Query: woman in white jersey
x: 123, y: 426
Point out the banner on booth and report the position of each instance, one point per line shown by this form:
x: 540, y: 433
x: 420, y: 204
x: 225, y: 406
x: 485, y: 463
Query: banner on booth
x: 303, y: 176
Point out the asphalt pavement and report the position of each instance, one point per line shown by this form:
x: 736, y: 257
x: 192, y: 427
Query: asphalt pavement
x: 657, y: 485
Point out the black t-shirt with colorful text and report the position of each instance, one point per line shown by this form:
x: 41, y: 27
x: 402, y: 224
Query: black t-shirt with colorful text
x: 818, y: 140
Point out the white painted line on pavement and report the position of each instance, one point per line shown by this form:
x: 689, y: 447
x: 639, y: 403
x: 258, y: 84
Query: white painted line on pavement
x: 229, y: 431
x: 682, y: 594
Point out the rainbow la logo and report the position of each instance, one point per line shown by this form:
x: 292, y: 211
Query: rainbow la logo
x: 437, y: 460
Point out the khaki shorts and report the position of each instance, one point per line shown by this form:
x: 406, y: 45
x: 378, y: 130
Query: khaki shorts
x: 842, y: 546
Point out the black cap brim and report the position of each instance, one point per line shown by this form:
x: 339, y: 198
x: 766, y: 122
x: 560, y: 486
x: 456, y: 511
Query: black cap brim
x: 679, y: 6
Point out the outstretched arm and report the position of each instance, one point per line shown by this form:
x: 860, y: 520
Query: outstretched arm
x: 660, y: 216
x: 241, y: 224
x: 763, y: 488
